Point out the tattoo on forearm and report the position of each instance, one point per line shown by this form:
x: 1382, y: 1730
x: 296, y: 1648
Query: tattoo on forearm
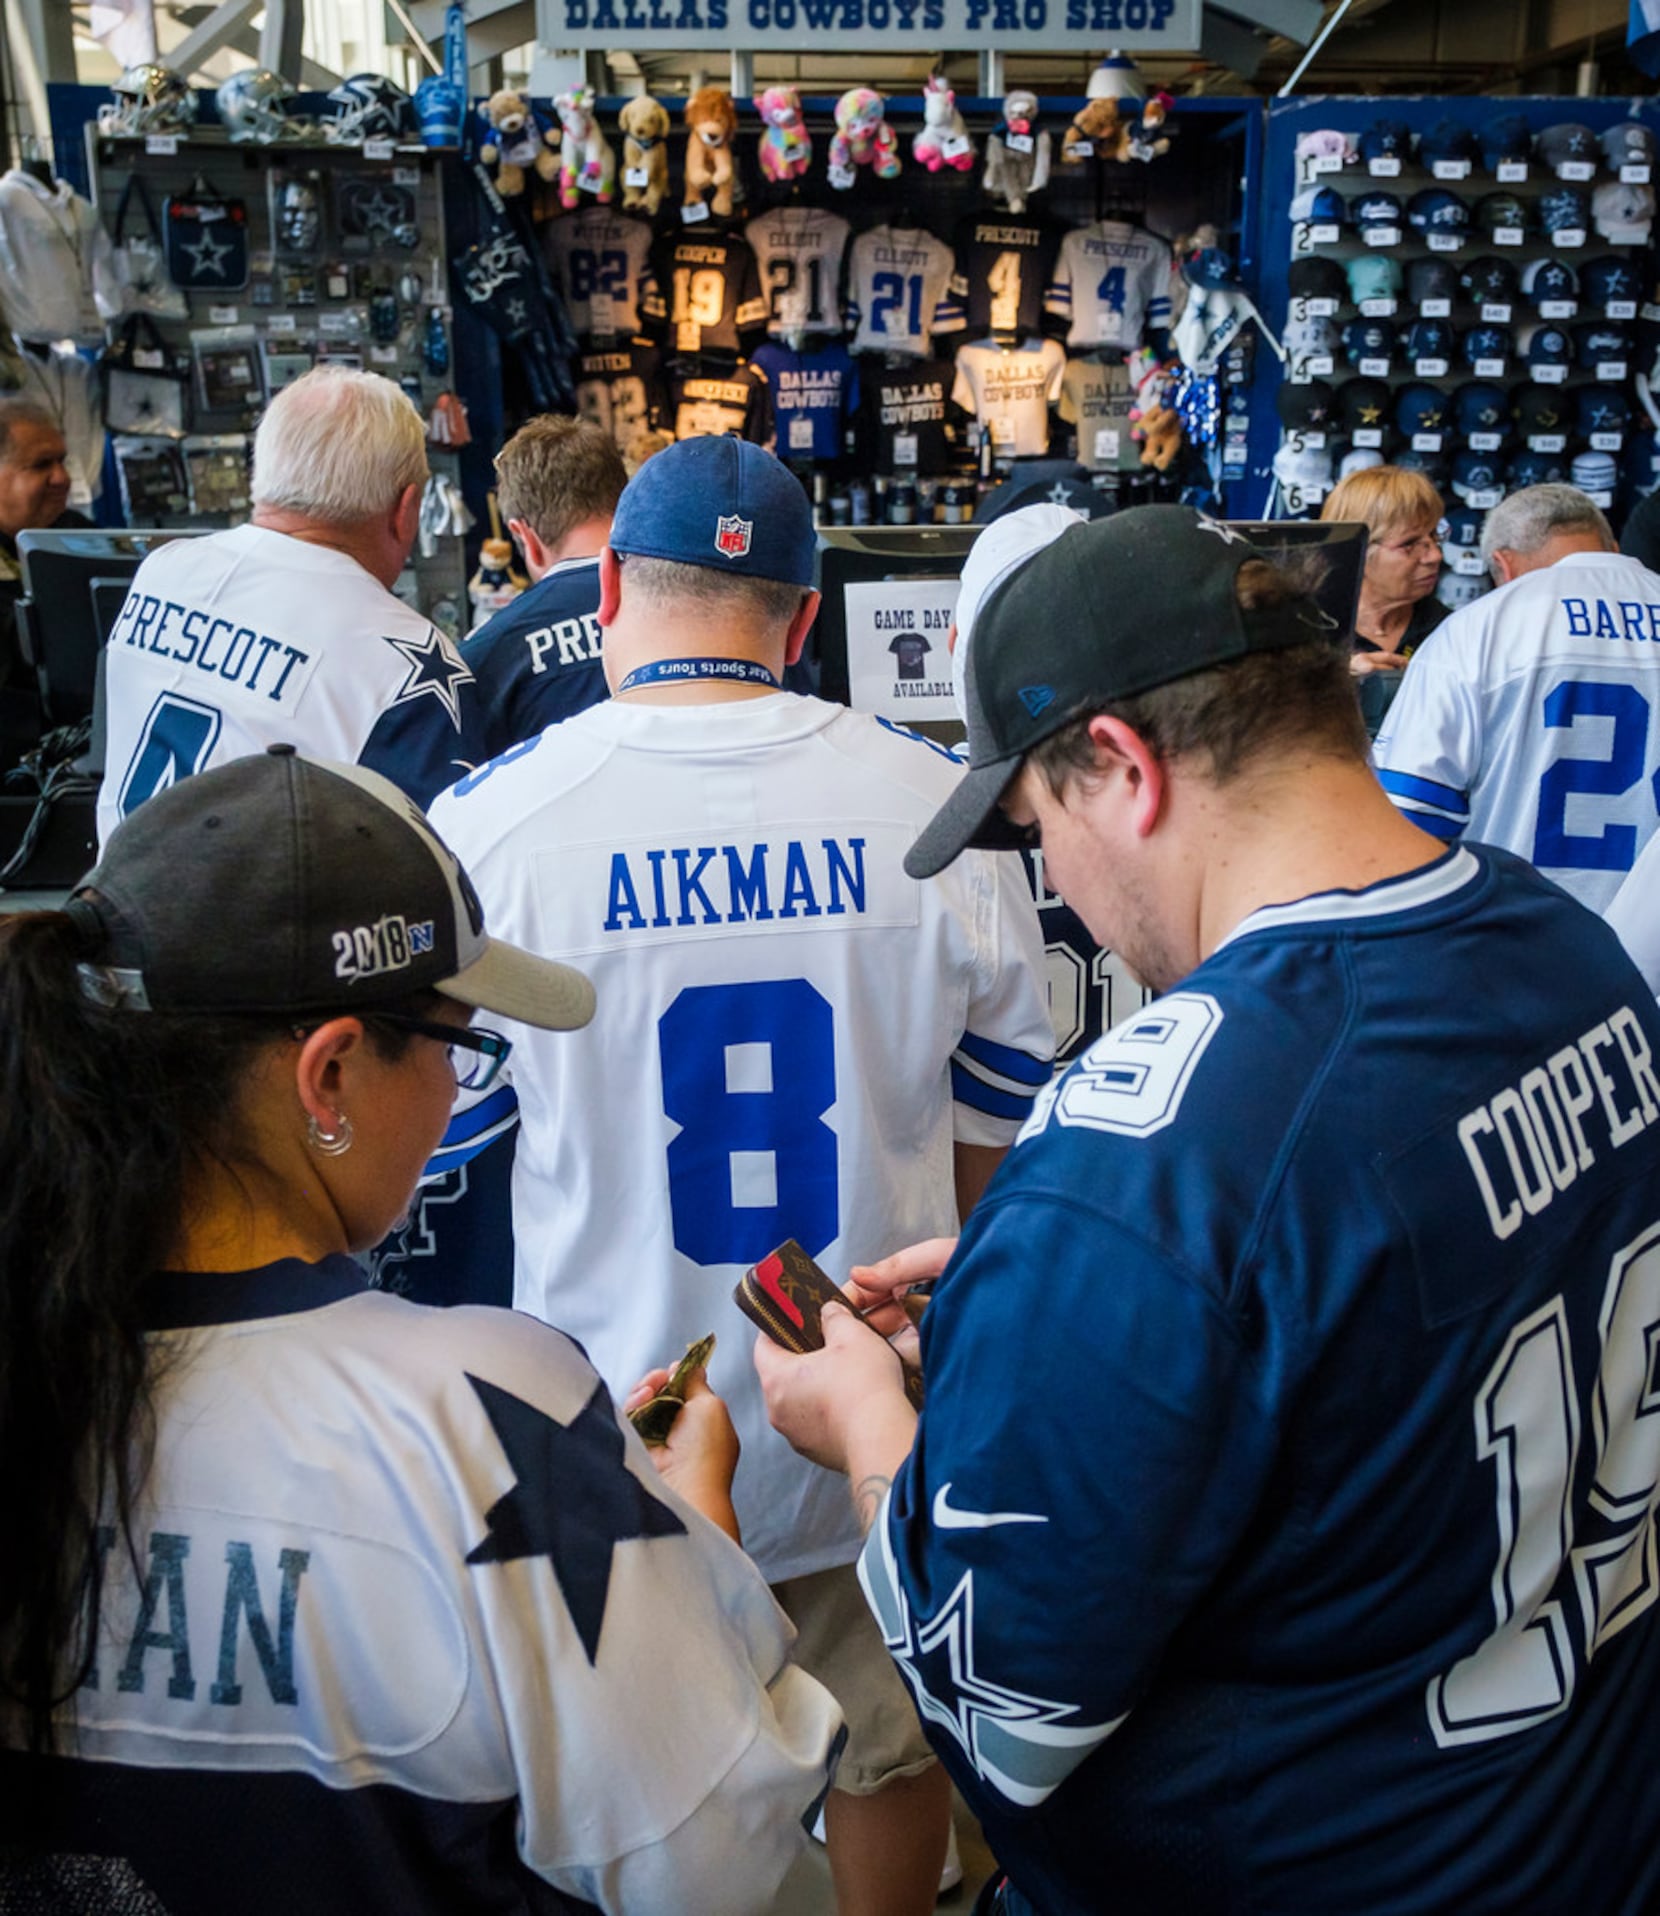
x: 868, y: 1493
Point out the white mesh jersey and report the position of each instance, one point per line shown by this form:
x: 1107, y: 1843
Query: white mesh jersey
x: 1531, y: 720
x: 1010, y: 390
x: 899, y: 290
x: 1111, y: 284
x: 801, y: 250
x: 790, y: 1035
x: 598, y: 259
x: 249, y: 638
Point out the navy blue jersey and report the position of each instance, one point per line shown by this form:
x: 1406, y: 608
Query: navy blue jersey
x: 1279, y: 1529
x: 537, y: 660
x: 812, y: 395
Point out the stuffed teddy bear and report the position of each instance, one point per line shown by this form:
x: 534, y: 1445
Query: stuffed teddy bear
x: 786, y: 151
x: 711, y: 124
x: 1096, y: 132
x: 1143, y: 139
x: 1017, y: 154
x: 944, y: 139
x: 516, y: 139
x: 1154, y: 422
x: 645, y: 130
x: 863, y: 137
x: 586, y: 162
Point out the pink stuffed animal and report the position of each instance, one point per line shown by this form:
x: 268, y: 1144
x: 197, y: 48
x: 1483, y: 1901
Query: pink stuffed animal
x: 863, y: 137
x: 944, y: 139
x: 786, y: 151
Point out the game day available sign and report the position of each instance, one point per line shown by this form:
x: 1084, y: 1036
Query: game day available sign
x: 876, y: 26
x: 898, y: 648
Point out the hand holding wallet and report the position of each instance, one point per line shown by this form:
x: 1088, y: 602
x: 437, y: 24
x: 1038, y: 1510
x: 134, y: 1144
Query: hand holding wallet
x: 785, y: 1294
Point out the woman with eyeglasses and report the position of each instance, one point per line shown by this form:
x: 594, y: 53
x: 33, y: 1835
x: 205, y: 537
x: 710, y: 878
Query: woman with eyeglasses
x: 1402, y: 513
x: 310, y: 1598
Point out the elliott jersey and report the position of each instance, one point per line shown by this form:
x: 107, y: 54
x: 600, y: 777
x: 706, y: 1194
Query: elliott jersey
x: 599, y: 263
x: 538, y: 659
x: 620, y: 388
x: 363, y: 1664
x: 705, y: 291
x: 906, y: 423
x: 1004, y: 263
x: 737, y: 401
x: 1010, y: 391
x: 1347, y: 1603
x: 250, y: 638
x: 1531, y: 720
x: 791, y: 1033
x: 1096, y: 399
x: 812, y: 396
x: 1111, y: 285
x: 801, y: 253
x: 899, y: 290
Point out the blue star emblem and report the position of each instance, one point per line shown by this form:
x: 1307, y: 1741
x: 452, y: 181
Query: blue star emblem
x: 435, y: 669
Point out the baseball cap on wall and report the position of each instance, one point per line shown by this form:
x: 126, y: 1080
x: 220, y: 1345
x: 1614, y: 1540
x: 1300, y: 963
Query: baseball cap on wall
x: 1505, y: 137
x: 1431, y: 279
x: 1317, y: 278
x: 720, y: 503
x: 1623, y: 214
x: 287, y: 885
x: 1061, y: 631
x: 1568, y: 140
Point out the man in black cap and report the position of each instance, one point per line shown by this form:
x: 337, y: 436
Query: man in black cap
x: 1271, y: 1534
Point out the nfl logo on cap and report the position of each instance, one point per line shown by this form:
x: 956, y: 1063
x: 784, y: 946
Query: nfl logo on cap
x: 732, y: 536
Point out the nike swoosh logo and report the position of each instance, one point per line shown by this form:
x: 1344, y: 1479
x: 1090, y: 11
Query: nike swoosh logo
x: 948, y: 1518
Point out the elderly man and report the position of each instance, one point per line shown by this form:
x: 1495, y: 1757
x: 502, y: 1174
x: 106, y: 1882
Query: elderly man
x: 286, y: 629
x: 34, y: 495
x: 1531, y: 719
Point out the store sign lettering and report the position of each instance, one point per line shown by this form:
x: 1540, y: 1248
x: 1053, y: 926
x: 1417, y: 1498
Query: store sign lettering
x: 1135, y: 25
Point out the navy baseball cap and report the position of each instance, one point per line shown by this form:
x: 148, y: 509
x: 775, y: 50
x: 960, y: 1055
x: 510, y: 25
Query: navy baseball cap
x: 1435, y: 210
x: 1463, y: 528
x: 1550, y: 279
x: 1567, y: 140
x: 1433, y: 465
x: 1549, y: 346
x: 1386, y: 140
x: 1431, y: 279
x: 1598, y: 341
x: 1536, y: 469
x: 1448, y: 140
x: 1363, y: 402
x: 1420, y: 408
x: 1375, y: 209
x: 1564, y: 209
x: 1540, y: 409
x: 1368, y: 339
x: 1479, y: 406
x: 1485, y: 342
x: 1505, y: 137
x: 1489, y: 280
x: 720, y: 503
x: 1315, y: 279
x: 1629, y: 143
x: 1608, y: 278
x: 1474, y: 472
x: 1601, y: 408
x: 1502, y: 208
x: 1430, y: 339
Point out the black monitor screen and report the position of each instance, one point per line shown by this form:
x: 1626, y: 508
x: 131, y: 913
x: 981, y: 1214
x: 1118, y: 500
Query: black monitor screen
x: 1339, y: 545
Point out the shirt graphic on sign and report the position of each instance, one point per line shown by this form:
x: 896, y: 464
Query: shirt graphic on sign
x: 1004, y: 262
x: 1112, y: 282
x: 598, y: 259
x: 812, y: 394
x: 620, y: 390
x: 1096, y: 399
x: 910, y: 651
x: 704, y: 404
x: 1010, y: 392
x: 800, y: 251
x: 899, y: 290
x: 904, y: 425
x: 707, y: 289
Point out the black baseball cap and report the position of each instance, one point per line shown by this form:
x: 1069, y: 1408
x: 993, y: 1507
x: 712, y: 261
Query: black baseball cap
x: 1106, y: 611
x: 1431, y: 279
x: 286, y: 885
x: 1305, y: 407
x: 1317, y: 278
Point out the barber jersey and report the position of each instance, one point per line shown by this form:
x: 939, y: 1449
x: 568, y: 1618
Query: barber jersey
x: 1096, y: 399
x: 249, y: 638
x: 620, y: 388
x: 801, y: 251
x: 1010, y: 392
x: 735, y: 401
x: 598, y: 258
x: 538, y: 660
x: 1003, y: 266
x: 1531, y: 720
x: 906, y: 424
x: 812, y: 395
x: 899, y: 290
x: 705, y: 291
x: 1112, y: 284
x: 790, y: 1034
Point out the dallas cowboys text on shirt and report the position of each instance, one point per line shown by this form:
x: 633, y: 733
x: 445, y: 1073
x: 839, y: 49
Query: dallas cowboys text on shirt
x: 735, y: 884
x: 236, y: 654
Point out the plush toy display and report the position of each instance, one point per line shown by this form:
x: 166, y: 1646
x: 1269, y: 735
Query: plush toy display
x: 786, y: 151
x: 711, y: 124
x: 1096, y: 132
x: 944, y: 139
x: 863, y: 137
x: 586, y: 162
x: 516, y: 138
x: 1144, y: 137
x: 1155, y: 424
x: 645, y: 127
x: 1017, y: 154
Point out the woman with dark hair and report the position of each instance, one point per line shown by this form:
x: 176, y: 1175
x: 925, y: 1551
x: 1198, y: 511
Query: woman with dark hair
x: 311, y: 1598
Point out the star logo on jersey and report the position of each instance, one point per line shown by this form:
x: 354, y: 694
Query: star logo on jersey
x: 517, y: 312
x: 207, y: 257
x: 436, y: 670
x: 732, y: 536
x: 573, y: 1501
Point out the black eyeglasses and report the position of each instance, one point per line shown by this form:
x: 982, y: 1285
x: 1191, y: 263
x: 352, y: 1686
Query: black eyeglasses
x: 475, y: 1056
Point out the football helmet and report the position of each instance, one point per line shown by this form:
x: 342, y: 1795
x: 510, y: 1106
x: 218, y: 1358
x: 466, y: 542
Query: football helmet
x: 368, y: 107
x: 255, y: 105
x: 148, y: 99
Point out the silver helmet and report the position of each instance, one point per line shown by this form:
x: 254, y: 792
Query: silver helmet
x: 148, y: 99
x: 256, y: 105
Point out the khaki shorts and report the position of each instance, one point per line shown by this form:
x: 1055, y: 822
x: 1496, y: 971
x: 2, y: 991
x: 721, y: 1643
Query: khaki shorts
x: 837, y: 1641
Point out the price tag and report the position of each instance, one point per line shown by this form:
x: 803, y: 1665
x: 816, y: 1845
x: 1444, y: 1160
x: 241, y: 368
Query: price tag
x: 1080, y: 150
x: 1569, y: 236
x: 161, y: 143
x: 223, y: 315
x: 1485, y: 500
x: 1468, y: 564
x: 1325, y: 308
x: 1451, y: 169
x: 1611, y: 370
x: 281, y: 323
x: 379, y: 149
x: 1002, y: 430
x: 801, y: 433
x: 1486, y: 441
x: 384, y: 355
x: 1018, y: 142
x: 1321, y: 366
x: 1381, y: 235
x: 146, y: 358
x: 1651, y: 312
x: 1621, y: 309
x: 600, y: 317
x: 1435, y: 308
x: 1426, y: 442
x: 1576, y: 170
x: 1374, y: 368
x: 904, y: 449
x: 1324, y: 235
x: 1551, y: 375
x: 1387, y: 168
x: 406, y: 176
x: 1372, y: 308
x: 1607, y: 441
x: 1430, y: 368
x: 1368, y: 436
x: 1496, y: 314
x: 636, y: 176
x: 955, y: 145
x: 335, y: 325
x: 1556, y: 308
x: 1600, y: 498
x: 1310, y: 441
x: 1510, y: 172
x: 1444, y: 242
x: 1546, y: 442
x: 1328, y: 163
x: 841, y: 178
x: 1508, y: 236
x: 1489, y: 369
x: 1106, y: 445
x: 1635, y: 173
x: 695, y: 211
x: 337, y: 283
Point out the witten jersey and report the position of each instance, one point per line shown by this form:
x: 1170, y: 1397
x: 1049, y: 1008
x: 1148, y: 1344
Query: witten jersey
x: 620, y: 389
x: 736, y: 401
x: 907, y: 423
x: 1010, y: 391
x: 801, y: 252
x: 362, y: 1665
x: 1096, y: 399
x: 1355, y: 1238
x: 1111, y: 284
x: 1004, y: 262
x: 706, y: 289
x: 899, y: 290
x: 1531, y: 720
x: 812, y: 394
x: 790, y: 1033
x: 538, y: 660
x: 249, y: 638
x: 599, y: 265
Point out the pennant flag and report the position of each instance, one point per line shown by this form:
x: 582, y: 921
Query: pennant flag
x: 1642, y: 36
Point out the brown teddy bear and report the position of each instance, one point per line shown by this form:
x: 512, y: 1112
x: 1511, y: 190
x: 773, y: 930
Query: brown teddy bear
x: 519, y: 140
x: 1096, y: 132
x: 711, y: 123
x: 645, y: 126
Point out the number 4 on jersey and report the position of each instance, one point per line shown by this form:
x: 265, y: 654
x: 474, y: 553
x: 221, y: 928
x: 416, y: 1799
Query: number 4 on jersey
x: 176, y: 740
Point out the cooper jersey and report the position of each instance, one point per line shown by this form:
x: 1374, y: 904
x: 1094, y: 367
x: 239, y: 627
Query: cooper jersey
x: 538, y: 660
x: 801, y: 252
x: 812, y: 397
x: 1096, y: 399
x: 1003, y: 266
x: 249, y: 638
x: 1308, y: 1624
x: 705, y: 291
x: 599, y: 262
x: 907, y: 422
x: 735, y: 401
x: 364, y: 1664
x: 1529, y: 720
x: 620, y: 388
x: 1010, y: 391
x: 899, y: 290
x: 791, y: 1033
x: 1111, y: 284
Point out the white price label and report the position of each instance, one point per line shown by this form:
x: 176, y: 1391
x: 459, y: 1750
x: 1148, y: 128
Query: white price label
x: 1621, y: 309
x: 1426, y: 442
x: 1576, y: 170
x: 222, y: 315
x: 1557, y: 308
x: 406, y: 176
x: 1385, y: 168
x: 1321, y: 366
x: 1323, y: 308
x: 1451, y: 169
x: 1486, y: 441
x: 379, y: 149
x: 600, y: 319
x: 1002, y: 431
x: 1546, y: 441
x: 1106, y: 445
x: 1328, y: 163
x: 1377, y: 308
x: 282, y: 323
x: 1510, y: 172
x: 1636, y: 173
x: 1018, y: 142
x: 161, y: 143
x: 841, y: 178
x: 801, y: 433
x: 1607, y: 441
x: 1551, y: 375
x: 693, y: 212
x: 1611, y: 370
x: 1569, y: 236
x: 1314, y: 441
x: 1600, y: 498
x: 1508, y: 236
x: 1468, y: 564
x: 904, y: 449
x: 1374, y: 368
x: 1489, y: 369
x: 1430, y: 368
x: 1381, y: 235
x: 1495, y: 314
x: 1367, y: 437
x: 1324, y: 235
x: 1485, y: 500
x: 1435, y: 308
x: 1444, y: 242
x: 1080, y: 149
x: 955, y: 145
x: 148, y: 358
x: 636, y: 176
x: 335, y: 325
x: 384, y: 355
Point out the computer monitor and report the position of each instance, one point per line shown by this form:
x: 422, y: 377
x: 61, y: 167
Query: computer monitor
x: 1339, y: 545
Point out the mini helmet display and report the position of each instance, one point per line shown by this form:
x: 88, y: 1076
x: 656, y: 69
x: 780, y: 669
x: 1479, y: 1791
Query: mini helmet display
x: 256, y: 104
x: 148, y: 99
x: 368, y: 107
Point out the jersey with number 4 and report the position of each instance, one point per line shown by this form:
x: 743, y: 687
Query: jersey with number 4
x: 599, y: 265
x: 790, y: 1035
x: 1531, y: 720
x: 800, y: 250
x: 249, y: 638
x: 1003, y: 266
x: 1348, y: 1600
x: 1111, y: 284
x: 899, y: 290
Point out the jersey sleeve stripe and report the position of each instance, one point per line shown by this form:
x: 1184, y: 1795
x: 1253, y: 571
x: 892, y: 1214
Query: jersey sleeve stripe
x: 994, y: 1099
x: 1425, y: 790
x: 1433, y: 823
x: 471, y: 1130
x: 1022, y: 1067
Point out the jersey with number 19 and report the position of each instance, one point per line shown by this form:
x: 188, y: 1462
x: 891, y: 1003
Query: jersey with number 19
x: 790, y: 1035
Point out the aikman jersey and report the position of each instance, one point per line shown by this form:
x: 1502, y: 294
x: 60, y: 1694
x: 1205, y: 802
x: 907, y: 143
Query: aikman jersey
x: 620, y: 388
x: 735, y: 401
x: 705, y: 291
x: 801, y: 251
x: 1096, y: 399
x: 250, y: 638
x: 538, y: 659
x: 1531, y: 720
x: 899, y: 290
x: 791, y: 1033
x: 1355, y: 1237
x: 812, y: 396
x: 598, y: 258
x: 1004, y: 263
x: 1010, y: 391
x: 907, y: 424
x: 365, y: 1664
x: 1111, y: 285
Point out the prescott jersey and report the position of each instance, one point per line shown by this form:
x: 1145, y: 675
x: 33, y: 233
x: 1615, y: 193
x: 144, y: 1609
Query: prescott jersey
x: 1096, y: 399
x: 899, y: 290
x: 1347, y: 1251
x: 367, y: 1662
x: 1004, y: 263
x: 1529, y: 720
x: 812, y: 396
x: 906, y: 424
x: 801, y: 252
x: 249, y: 638
x: 537, y: 660
x: 736, y: 401
x: 791, y: 1033
x: 620, y: 388
x: 599, y: 262
x: 1111, y: 284
x: 1010, y: 391
x: 706, y: 291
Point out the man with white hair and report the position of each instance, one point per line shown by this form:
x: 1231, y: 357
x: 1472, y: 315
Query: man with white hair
x: 286, y: 630
x: 1529, y: 719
